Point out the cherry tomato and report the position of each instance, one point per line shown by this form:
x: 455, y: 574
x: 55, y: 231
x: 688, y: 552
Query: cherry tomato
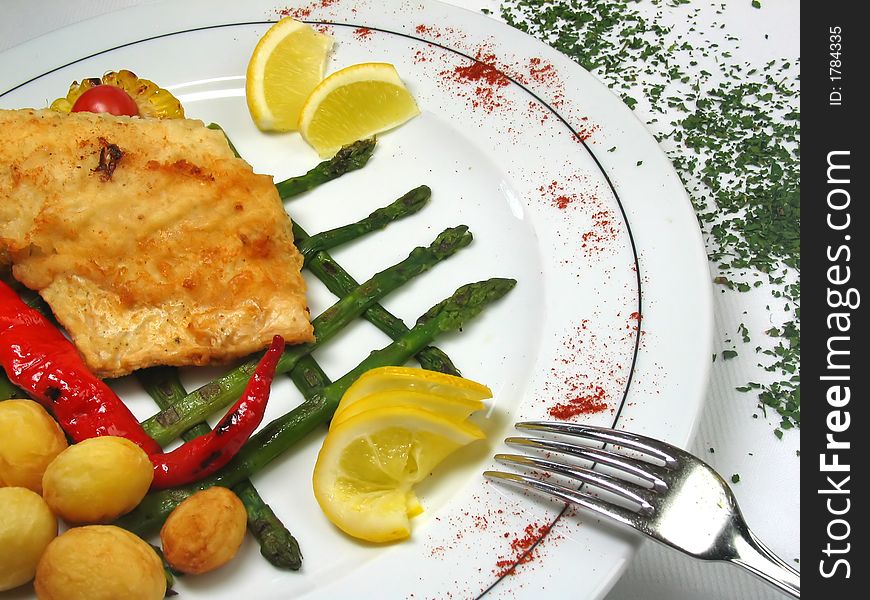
x: 106, y: 99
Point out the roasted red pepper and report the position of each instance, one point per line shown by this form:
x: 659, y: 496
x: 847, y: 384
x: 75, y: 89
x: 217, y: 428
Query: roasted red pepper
x: 41, y: 361
x: 206, y: 454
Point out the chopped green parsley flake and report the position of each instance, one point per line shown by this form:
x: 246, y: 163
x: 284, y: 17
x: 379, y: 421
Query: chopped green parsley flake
x: 735, y: 144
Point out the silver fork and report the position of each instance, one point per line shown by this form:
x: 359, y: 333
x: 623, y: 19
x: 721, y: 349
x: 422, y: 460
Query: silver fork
x: 680, y: 502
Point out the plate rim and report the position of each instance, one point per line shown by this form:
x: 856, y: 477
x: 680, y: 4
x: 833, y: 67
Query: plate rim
x: 27, y: 47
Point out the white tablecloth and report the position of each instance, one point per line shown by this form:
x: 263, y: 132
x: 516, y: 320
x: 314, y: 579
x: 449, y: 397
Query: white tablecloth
x: 768, y: 490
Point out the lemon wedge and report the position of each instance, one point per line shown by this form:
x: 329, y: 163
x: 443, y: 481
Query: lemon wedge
x: 365, y: 472
x: 450, y: 396
x: 354, y: 103
x: 287, y: 64
x: 386, y: 379
x: 455, y: 408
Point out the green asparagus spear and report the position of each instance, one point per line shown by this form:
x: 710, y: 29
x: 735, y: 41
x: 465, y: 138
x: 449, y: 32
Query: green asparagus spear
x: 277, y: 544
x: 162, y: 383
x: 333, y: 275
x: 405, y: 206
x: 279, y: 435
x: 336, y: 278
x: 349, y: 158
x: 340, y: 283
x: 308, y: 376
x: 168, y: 424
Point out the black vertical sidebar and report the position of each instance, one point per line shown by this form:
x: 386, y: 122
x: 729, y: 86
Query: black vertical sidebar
x: 835, y: 462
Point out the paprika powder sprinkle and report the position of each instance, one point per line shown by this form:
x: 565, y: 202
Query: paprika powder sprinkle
x: 523, y: 548
x: 479, y: 81
x: 604, y: 230
x: 428, y: 31
x: 363, y: 33
x: 589, y: 402
x: 588, y: 372
x: 733, y: 135
x: 482, y: 71
x: 305, y: 11
x: 296, y: 13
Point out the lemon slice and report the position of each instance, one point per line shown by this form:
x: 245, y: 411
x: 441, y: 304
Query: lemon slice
x: 455, y: 408
x: 354, y: 103
x: 286, y: 65
x: 448, y: 395
x: 365, y: 472
x: 385, y: 379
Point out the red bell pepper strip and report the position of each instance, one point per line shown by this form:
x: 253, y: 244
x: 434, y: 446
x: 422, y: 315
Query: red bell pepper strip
x: 206, y: 454
x: 40, y: 360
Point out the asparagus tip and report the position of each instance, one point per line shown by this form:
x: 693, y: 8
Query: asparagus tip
x: 468, y: 301
x: 282, y: 550
x: 353, y: 156
x: 416, y: 198
x: 450, y: 240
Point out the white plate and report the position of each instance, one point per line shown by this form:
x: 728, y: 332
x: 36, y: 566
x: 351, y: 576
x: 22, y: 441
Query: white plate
x: 596, y: 228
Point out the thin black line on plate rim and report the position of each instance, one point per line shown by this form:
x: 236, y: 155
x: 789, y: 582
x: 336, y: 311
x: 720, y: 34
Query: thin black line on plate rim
x: 537, y: 98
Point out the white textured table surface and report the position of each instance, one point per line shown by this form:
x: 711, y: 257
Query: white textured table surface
x: 768, y: 490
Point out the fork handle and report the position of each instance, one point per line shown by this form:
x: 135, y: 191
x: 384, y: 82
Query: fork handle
x: 758, y: 559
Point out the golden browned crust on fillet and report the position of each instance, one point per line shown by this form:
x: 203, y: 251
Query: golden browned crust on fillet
x: 173, y: 252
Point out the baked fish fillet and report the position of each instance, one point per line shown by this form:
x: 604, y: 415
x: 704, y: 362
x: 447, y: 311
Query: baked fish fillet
x: 152, y: 243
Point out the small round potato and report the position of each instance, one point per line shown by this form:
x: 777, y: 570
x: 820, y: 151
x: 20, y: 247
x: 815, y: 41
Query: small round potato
x: 205, y: 531
x: 26, y: 528
x: 97, y: 480
x: 29, y: 439
x: 99, y: 562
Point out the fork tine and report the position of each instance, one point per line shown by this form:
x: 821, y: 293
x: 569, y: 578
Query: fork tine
x: 650, y: 446
x: 618, y: 513
x: 696, y: 513
x: 648, y: 472
x: 622, y: 488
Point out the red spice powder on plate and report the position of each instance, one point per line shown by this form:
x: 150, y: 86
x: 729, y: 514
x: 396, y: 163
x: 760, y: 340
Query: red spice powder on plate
x: 604, y: 231
x: 481, y: 70
x: 541, y: 72
x: 428, y: 31
x: 480, y: 82
x: 562, y: 202
x: 363, y: 33
x: 583, y: 402
x: 585, y: 130
x: 296, y: 13
x: 522, y: 546
x: 556, y: 196
x: 303, y: 12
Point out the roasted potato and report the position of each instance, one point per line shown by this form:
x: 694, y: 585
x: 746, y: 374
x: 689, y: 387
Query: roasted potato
x: 99, y: 562
x: 29, y: 439
x: 26, y: 528
x: 205, y: 531
x: 97, y: 480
